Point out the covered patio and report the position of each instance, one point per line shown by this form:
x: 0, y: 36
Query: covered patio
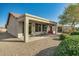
x: 34, y: 26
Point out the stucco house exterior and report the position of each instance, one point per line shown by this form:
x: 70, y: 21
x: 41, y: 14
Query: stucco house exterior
x: 27, y: 25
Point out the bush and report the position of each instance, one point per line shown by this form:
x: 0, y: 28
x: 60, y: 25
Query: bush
x: 75, y: 33
x: 68, y: 30
x: 77, y: 29
x: 68, y: 48
x: 64, y: 36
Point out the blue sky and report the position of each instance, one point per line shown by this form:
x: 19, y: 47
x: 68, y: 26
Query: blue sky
x: 49, y: 11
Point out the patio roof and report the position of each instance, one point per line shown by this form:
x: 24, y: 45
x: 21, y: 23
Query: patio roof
x: 40, y: 19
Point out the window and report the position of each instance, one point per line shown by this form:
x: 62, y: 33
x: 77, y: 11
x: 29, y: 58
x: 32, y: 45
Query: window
x: 44, y: 28
x: 37, y: 27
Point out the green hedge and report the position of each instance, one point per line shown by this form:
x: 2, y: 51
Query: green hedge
x: 75, y: 33
x: 64, y: 36
x: 68, y: 47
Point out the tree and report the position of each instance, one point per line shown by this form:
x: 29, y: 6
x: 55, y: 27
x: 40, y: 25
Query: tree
x: 70, y: 15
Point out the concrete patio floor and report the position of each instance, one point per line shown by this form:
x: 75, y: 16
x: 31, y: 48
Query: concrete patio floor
x: 34, y: 38
x: 4, y: 36
x: 40, y: 47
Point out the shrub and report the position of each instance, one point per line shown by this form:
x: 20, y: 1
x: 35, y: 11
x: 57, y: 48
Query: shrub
x: 64, y: 36
x: 68, y: 48
x: 68, y: 30
x: 75, y: 33
x: 77, y: 29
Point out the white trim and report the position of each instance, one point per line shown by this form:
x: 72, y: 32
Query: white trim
x: 37, y: 17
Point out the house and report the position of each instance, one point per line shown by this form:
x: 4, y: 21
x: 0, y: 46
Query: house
x: 25, y: 25
x: 65, y: 28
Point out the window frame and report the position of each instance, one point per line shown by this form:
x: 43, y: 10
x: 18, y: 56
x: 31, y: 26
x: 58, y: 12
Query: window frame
x: 44, y: 27
x: 37, y: 27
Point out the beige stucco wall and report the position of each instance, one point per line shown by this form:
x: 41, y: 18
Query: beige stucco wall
x: 15, y: 27
x: 12, y: 26
x: 20, y: 29
x: 54, y: 29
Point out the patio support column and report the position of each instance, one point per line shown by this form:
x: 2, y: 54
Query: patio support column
x: 56, y: 29
x: 41, y: 27
x: 26, y: 29
x: 33, y: 28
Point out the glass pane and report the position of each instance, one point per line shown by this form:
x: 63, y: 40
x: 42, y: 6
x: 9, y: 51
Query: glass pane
x: 44, y: 27
x: 37, y: 27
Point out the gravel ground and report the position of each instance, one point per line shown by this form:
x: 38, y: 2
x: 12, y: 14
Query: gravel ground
x: 35, y: 48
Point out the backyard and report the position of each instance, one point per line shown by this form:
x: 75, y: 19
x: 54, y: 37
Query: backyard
x: 65, y: 46
x: 12, y: 46
x: 66, y: 43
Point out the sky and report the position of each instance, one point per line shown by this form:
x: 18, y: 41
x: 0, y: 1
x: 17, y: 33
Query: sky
x: 49, y: 11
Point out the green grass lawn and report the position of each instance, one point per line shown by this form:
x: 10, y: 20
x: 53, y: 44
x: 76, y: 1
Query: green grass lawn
x: 75, y: 37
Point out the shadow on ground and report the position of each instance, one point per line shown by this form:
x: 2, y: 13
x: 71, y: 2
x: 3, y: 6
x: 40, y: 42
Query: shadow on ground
x: 6, y: 37
x: 47, y: 52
